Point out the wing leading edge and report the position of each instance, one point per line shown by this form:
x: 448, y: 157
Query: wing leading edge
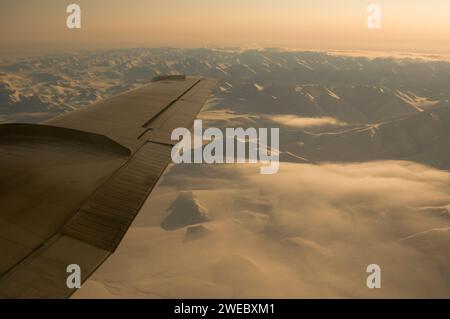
x: 71, y: 187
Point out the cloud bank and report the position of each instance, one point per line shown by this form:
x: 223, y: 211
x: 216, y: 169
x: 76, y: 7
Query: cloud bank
x: 308, y: 231
x: 306, y: 122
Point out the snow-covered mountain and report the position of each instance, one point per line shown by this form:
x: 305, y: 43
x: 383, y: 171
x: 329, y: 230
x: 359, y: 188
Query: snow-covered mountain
x: 350, y: 89
x: 328, y: 107
x: 423, y: 137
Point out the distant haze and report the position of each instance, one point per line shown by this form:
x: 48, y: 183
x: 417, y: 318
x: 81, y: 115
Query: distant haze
x: 412, y: 26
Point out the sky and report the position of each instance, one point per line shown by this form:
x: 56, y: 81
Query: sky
x: 407, y: 25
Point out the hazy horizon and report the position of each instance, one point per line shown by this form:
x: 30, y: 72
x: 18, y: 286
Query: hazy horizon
x: 407, y: 26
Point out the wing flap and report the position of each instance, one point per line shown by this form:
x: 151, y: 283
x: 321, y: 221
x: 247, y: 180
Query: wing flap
x: 104, y: 219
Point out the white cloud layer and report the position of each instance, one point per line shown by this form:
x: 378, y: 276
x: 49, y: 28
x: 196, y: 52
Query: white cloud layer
x: 308, y: 231
x: 306, y: 122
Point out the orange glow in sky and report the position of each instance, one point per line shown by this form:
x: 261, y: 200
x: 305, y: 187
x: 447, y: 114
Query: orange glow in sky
x: 412, y: 26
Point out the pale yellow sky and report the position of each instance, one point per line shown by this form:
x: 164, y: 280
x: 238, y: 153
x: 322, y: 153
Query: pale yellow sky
x: 413, y: 25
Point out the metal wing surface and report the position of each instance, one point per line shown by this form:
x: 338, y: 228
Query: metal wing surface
x: 71, y: 187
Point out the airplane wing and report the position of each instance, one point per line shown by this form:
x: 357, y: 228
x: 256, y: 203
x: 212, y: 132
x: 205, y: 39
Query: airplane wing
x: 71, y: 187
